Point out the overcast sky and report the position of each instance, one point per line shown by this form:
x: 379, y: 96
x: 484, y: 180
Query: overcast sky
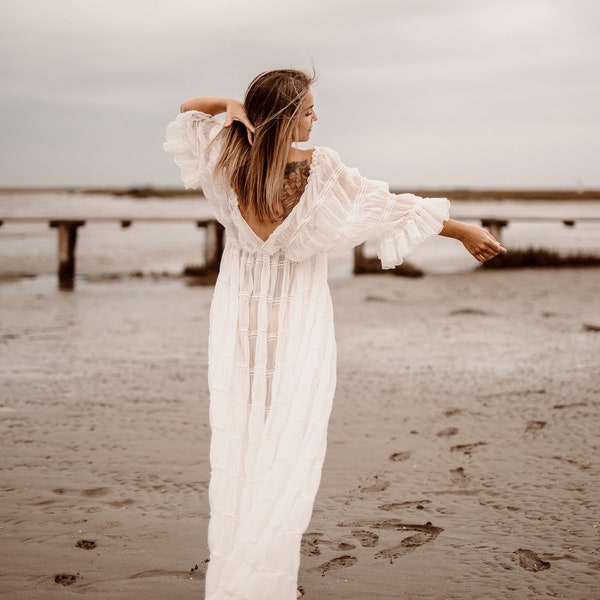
x: 468, y: 93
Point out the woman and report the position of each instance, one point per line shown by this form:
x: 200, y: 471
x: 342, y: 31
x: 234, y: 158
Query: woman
x: 272, y: 351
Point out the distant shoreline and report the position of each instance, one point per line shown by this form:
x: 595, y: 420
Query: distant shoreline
x: 465, y: 194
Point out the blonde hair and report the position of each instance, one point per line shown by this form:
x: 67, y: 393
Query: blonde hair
x: 256, y: 171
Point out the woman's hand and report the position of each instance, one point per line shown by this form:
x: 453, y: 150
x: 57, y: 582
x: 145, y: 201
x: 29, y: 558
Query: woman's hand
x: 481, y: 243
x: 235, y: 112
x: 478, y: 241
x: 213, y: 105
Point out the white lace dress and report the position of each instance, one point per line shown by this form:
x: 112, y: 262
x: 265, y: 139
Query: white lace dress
x: 272, y: 354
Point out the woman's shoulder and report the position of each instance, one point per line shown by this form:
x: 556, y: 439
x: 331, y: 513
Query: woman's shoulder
x: 297, y: 155
x: 317, y: 156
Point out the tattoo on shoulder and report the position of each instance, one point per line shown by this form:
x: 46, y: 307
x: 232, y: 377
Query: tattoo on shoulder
x: 294, y: 182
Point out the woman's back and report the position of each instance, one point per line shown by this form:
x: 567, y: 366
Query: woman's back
x: 292, y: 187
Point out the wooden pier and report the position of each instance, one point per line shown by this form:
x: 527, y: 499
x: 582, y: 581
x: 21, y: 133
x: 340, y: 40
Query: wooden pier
x: 67, y: 240
x: 215, y: 236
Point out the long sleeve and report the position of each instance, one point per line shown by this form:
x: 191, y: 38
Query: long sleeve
x: 189, y: 138
x: 349, y: 209
x: 193, y: 140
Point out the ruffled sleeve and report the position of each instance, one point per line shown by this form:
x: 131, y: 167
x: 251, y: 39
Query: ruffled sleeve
x: 189, y: 138
x: 350, y: 209
x: 193, y: 140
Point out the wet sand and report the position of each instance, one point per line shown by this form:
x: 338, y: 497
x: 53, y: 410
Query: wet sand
x: 463, y: 446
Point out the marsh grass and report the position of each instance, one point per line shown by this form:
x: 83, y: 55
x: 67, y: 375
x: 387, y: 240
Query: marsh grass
x: 541, y: 258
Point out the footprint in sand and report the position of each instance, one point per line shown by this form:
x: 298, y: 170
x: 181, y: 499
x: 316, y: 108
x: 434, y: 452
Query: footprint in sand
x: 93, y: 492
x: 452, y: 412
x: 405, y: 546
x: 570, y: 405
x: 458, y: 475
x: 466, y: 448
x: 395, y: 524
x: 121, y: 503
x: 193, y: 573
x: 378, y: 486
x: 424, y: 533
x: 418, y: 504
x: 337, y: 563
x: 400, y: 456
x: 367, y: 539
x: 65, y: 578
x: 530, y: 561
x: 309, y: 545
x: 311, y: 542
x: 448, y: 432
x: 42, y: 503
x: 467, y: 311
x: 535, y: 426
x: 371, y: 298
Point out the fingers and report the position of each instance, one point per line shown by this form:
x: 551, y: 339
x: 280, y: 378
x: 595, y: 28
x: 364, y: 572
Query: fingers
x: 488, y: 248
x: 242, y: 118
x: 236, y: 112
x: 229, y: 119
x: 485, y: 253
x: 481, y: 244
x: 496, y: 246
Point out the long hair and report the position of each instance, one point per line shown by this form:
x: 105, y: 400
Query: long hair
x: 255, y: 171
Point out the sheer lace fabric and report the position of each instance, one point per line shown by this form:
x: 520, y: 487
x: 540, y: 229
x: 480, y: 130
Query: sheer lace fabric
x: 272, y: 353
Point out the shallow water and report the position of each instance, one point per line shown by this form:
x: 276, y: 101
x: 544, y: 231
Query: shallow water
x: 107, y: 249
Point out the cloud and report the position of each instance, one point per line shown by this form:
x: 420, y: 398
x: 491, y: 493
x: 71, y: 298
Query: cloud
x: 448, y: 89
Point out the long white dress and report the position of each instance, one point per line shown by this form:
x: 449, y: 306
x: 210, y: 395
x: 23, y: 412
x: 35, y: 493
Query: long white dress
x: 272, y: 353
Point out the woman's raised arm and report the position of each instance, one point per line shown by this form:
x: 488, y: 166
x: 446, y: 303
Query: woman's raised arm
x: 212, y: 105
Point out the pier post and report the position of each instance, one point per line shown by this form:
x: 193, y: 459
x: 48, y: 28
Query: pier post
x: 213, y: 245
x: 495, y: 227
x: 67, y: 244
x: 359, y: 259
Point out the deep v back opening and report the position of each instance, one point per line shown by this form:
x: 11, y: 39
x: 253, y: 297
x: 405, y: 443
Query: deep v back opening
x: 255, y: 230
x: 264, y: 239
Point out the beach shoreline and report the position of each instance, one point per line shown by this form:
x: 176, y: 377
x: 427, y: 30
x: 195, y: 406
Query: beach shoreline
x: 462, y: 454
x: 453, y: 193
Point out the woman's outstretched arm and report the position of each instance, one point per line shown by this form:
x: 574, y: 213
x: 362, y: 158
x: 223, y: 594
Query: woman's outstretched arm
x: 212, y: 105
x: 477, y: 240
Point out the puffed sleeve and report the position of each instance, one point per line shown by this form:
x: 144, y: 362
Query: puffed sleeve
x: 190, y: 139
x: 350, y: 209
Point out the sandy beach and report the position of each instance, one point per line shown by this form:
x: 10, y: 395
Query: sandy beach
x: 463, y: 446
